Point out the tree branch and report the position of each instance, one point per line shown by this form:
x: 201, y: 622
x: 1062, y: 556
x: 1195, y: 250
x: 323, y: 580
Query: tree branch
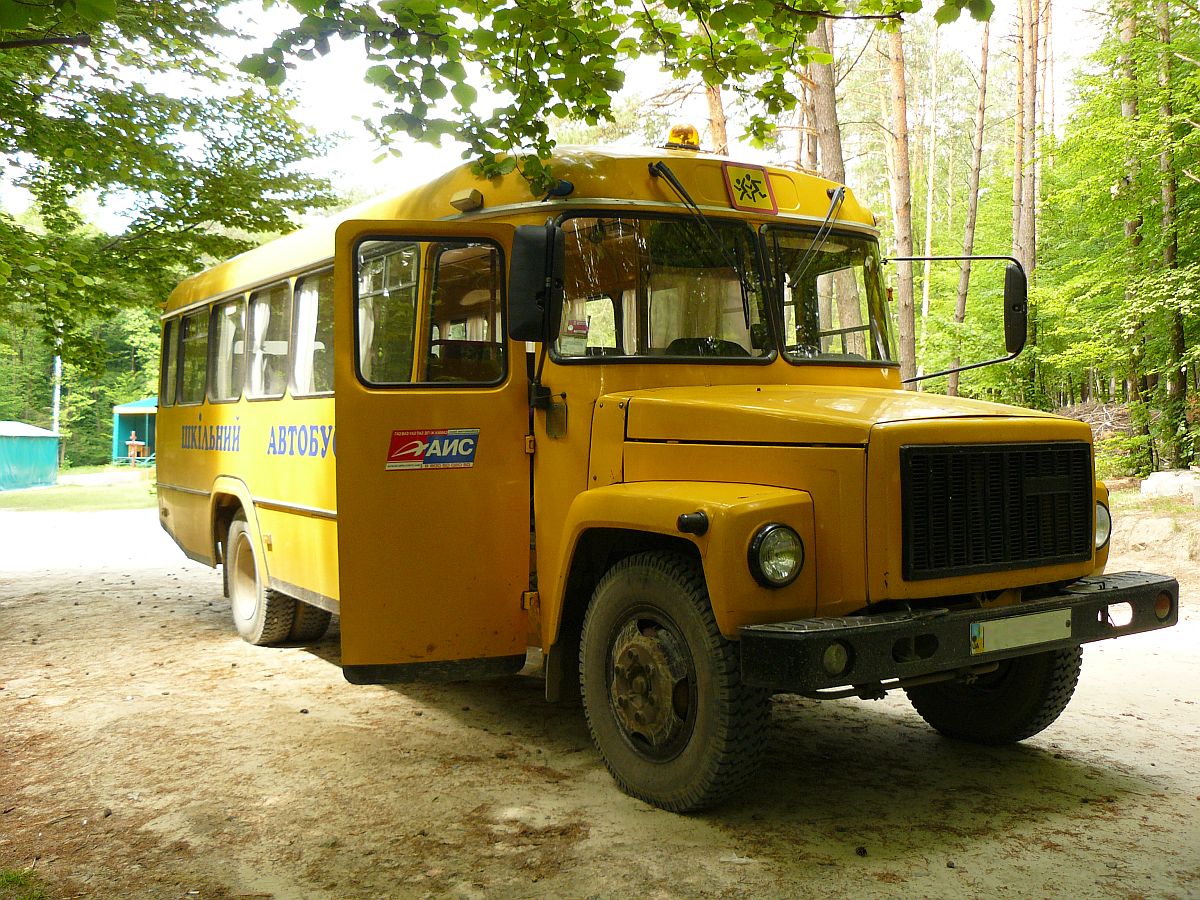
x: 822, y: 14
x: 78, y: 40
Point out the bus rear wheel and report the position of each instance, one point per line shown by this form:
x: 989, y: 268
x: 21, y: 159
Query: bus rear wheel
x: 310, y: 624
x: 261, y: 616
x: 1022, y: 697
x: 662, y: 687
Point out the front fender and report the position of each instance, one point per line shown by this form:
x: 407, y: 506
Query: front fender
x: 735, y: 512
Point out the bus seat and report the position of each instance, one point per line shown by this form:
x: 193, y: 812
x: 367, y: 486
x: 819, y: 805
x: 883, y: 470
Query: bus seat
x: 468, y: 361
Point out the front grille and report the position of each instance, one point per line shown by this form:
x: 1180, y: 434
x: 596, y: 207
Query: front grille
x: 989, y: 507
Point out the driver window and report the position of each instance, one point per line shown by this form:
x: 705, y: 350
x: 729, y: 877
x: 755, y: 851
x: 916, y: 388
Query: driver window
x: 465, y: 344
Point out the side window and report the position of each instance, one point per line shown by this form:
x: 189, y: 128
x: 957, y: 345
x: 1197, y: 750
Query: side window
x: 270, y: 325
x: 589, y: 328
x: 314, y: 335
x: 466, y: 344
x: 386, y: 310
x: 170, y: 363
x: 195, y: 356
x: 229, y: 351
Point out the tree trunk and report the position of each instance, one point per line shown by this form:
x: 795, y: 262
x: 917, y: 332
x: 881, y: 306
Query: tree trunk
x: 1019, y: 133
x: 930, y: 170
x: 1175, y: 428
x: 902, y: 205
x: 1028, y: 236
x: 964, y: 277
x: 809, y: 133
x: 716, y: 119
x: 1139, y: 416
x: 832, y: 165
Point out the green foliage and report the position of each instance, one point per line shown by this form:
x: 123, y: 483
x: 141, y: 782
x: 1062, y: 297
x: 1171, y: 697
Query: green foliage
x: 206, y: 152
x: 151, y: 120
x: 543, y: 60
x: 1111, y: 302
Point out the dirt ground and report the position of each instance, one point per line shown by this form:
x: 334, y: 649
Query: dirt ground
x: 146, y: 751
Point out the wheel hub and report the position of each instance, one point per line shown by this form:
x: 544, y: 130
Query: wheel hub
x: 648, y: 673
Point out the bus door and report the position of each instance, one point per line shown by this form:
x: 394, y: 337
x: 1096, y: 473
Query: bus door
x: 431, y: 412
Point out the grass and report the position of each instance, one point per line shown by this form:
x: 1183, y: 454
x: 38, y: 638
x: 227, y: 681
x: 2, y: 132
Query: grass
x: 86, y: 470
x: 1178, y: 509
x: 20, y: 885
x: 82, y: 498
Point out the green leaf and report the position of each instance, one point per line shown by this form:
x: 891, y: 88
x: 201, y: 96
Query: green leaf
x: 93, y: 12
x: 380, y: 75
x: 948, y: 12
x: 981, y: 10
x: 464, y: 94
x: 453, y: 70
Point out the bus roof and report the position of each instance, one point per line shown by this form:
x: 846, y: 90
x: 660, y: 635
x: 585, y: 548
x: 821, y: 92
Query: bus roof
x: 601, y: 178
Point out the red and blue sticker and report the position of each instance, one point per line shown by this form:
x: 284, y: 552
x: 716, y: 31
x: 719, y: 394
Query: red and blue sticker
x: 433, y: 448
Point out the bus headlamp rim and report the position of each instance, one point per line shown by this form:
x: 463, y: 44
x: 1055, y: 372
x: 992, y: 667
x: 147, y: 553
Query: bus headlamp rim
x: 766, y: 541
x: 1104, y: 526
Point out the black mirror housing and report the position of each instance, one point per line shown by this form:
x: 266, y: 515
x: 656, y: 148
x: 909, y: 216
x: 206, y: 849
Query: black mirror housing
x: 1016, y: 309
x: 535, y: 283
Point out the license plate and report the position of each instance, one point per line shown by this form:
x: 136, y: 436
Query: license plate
x: 1020, y: 631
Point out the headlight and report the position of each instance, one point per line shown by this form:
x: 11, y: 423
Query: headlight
x: 776, y: 556
x: 1103, y: 525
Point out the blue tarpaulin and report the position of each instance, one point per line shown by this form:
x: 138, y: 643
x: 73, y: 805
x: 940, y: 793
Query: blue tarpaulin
x: 28, y: 456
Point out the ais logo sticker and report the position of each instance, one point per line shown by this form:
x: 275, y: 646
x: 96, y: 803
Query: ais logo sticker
x: 442, y: 448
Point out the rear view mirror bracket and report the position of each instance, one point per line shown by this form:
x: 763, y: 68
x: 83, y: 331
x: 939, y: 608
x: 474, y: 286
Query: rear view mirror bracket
x: 1016, y: 310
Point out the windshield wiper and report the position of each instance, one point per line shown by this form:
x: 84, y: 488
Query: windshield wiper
x: 836, y: 196
x: 661, y: 170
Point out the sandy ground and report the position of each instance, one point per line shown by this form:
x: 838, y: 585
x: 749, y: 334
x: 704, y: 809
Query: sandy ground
x: 146, y: 751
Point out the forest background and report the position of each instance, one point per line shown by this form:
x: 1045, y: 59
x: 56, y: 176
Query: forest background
x: 1091, y: 179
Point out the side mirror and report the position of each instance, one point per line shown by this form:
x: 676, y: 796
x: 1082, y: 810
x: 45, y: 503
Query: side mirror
x: 1016, y: 309
x: 535, y: 283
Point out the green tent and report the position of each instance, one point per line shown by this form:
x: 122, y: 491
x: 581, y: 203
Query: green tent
x: 28, y: 456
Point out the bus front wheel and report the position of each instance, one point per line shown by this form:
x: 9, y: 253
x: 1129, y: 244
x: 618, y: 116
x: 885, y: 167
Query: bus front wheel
x: 662, y: 687
x: 261, y: 616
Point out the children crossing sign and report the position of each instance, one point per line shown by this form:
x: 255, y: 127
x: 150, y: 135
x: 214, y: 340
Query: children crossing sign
x: 749, y: 188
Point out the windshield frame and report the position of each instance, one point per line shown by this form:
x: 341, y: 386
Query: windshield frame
x: 775, y: 297
x: 759, y: 279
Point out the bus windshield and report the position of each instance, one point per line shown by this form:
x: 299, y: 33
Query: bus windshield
x: 831, y: 293
x: 659, y: 287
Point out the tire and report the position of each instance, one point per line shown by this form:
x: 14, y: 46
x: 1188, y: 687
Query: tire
x: 261, y: 616
x: 1024, y: 696
x: 310, y: 624
x: 650, y: 625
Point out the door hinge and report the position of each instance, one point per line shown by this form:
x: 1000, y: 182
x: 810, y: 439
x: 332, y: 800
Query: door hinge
x: 530, y: 600
x: 529, y: 445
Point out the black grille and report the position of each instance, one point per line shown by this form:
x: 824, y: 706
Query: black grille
x: 989, y: 507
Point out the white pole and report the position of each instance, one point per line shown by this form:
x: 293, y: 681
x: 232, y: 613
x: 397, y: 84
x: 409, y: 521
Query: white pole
x: 57, y: 391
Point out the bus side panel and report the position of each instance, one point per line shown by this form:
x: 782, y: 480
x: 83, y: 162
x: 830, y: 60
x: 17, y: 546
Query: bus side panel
x: 301, y: 550
x: 282, y: 451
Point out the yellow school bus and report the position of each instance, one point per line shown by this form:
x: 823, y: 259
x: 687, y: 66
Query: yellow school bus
x: 652, y: 425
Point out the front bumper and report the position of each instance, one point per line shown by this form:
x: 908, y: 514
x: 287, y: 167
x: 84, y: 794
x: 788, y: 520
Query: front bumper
x: 796, y: 657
